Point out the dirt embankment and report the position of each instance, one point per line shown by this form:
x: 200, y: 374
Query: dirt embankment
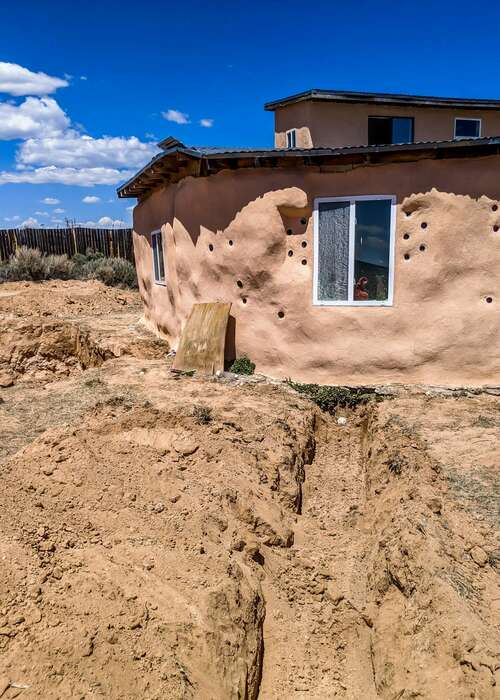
x: 49, y: 330
x: 175, y: 537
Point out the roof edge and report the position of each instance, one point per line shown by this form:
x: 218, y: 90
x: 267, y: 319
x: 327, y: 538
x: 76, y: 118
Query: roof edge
x: 179, y: 162
x: 350, y: 96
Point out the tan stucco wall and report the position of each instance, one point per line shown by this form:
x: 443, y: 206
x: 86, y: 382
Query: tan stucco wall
x: 333, y: 124
x: 440, y: 328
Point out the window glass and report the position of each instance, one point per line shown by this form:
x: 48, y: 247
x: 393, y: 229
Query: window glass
x: 353, y: 249
x: 158, y: 263
x: 402, y: 130
x: 372, y: 250
x: 291, y: 140
x: 333, y: 251
x: 387, y: 130
x: 467, y: 128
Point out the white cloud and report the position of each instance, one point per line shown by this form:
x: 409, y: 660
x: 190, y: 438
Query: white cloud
x: 30, y: 223
x: 131, y: 207
x: 57, y: 221
x: 83, y: 77
x: 11, y: 218
x: 35, y: 117
x: 83, y: 177
x: 207, y: 123
x: 18, y: 81
x: 91, y: 199
x: 73, y: 149
x: 58, y: 210
x: 108, y: 221
x: 173, y: 115
x: 51, y: 200
x: 42, y: 213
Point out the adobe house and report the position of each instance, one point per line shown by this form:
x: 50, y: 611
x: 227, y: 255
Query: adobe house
x: 363, y: 248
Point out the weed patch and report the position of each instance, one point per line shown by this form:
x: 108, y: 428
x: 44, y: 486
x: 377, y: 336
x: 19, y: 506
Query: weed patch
x: 242, y: 365
x: 328, y: 398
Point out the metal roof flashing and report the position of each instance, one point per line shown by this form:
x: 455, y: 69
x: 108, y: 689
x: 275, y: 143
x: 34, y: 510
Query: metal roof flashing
x: 178, y: 162
x: 351, y: 96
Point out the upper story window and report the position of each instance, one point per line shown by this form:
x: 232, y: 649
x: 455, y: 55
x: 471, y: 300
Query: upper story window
x: 291, y: 138
x: 354, y: 250
x: 158, y: 262
x: 386, y: 130
x: 467, y: 128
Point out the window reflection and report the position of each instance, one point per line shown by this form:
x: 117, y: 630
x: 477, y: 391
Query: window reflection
x: 372, y: 250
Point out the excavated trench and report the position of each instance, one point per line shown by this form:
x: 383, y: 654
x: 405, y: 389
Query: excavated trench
x: 252, y: 548
x: 366, y: 602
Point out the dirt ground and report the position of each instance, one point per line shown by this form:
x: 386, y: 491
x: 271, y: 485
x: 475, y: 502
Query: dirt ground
x: 173, y: 537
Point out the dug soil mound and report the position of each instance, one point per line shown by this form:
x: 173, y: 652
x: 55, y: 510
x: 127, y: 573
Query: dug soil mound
x: 65, y: 298
x: 166, y: 536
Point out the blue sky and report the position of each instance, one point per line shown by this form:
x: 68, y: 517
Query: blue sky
x: 116, y: 74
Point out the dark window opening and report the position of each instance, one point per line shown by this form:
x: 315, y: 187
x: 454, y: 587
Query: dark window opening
x: 158, y: 263
x: 467, y: 128
x: 291, y: 138
x: 386, y: 130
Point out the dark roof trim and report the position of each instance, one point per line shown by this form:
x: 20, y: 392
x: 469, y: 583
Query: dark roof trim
x: 169, y: 142
x: 382, y: 98
x: 176, y: 163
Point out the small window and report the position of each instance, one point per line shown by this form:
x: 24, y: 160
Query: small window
x: 353, y: 250
x: 158, y: 263
x: 291, y: 138
x: 467, y: 128
x: 387, y: 130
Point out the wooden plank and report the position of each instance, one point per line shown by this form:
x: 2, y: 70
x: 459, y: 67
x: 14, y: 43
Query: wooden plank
x: 203, y: 339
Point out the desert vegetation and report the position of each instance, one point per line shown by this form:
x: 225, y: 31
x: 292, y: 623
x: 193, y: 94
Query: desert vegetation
x: 29, y: 264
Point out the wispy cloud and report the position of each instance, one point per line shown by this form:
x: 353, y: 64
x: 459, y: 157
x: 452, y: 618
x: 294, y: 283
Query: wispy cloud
x: 83, y: 177
x: 58, y: 210
x: 51, y: 200
x: 207, y: 123
x: 91, y: 199
x: 173, y: 115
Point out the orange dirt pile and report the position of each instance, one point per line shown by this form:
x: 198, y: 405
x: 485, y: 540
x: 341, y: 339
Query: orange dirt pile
x: 62, y: 299
x: 178, y: 537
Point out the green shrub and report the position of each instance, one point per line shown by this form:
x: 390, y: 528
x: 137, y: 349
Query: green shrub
x: 242, y: 365
x: 328, y: 398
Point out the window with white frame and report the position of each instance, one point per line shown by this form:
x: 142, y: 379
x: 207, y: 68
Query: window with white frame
x: 467, y: 128
x: 354, y: 250
x: 158, y: 262
x: 291, y: 138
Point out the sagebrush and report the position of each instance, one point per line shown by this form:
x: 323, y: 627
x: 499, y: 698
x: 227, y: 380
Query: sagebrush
x: 29, y: 264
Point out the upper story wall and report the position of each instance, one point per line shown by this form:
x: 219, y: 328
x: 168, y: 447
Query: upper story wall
x: 321, y: 124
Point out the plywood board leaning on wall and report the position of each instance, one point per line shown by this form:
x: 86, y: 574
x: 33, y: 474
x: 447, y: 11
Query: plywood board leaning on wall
x: 202, y: 342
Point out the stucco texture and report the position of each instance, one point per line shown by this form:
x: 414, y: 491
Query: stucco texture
x: 444, y: 325
x: 333, y: 124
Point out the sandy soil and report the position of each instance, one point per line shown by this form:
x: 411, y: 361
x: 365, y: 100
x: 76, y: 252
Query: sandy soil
x: 166, y: 536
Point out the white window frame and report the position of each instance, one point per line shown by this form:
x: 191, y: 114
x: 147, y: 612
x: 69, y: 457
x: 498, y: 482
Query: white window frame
x: 292, y: 133
x: 154, y: 234
x: 352, y: 199
x: 467, y: 119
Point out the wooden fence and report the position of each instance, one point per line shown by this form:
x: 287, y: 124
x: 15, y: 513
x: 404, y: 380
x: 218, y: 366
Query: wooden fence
x: 115, y: 243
